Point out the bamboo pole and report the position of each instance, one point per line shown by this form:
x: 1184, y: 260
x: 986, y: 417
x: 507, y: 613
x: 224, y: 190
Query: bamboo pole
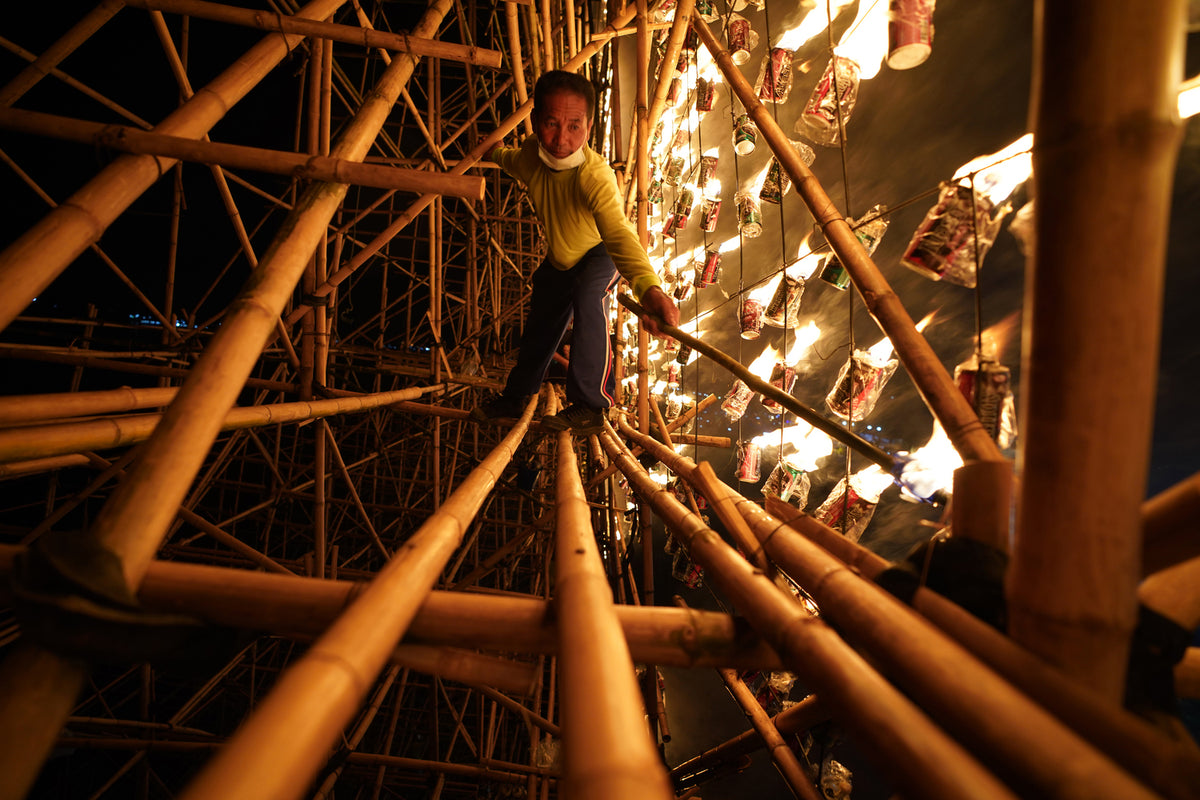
x: 937, y: 388
x: 785, y: 760
x: 23, y: 409
x: 1100, y: 143
x: 834, y: 431
x: 315, y: 697
x: 512, y: 27
x: 1168, y: 526
x: 360, y: 730
x: 312, y: 28
x: 946, y: 679
x: 1175, y: 593
x: 302, y: 166
x: 33, y: 261
x: 35, y: 466
x: 37, y: 441
x: 918, y: 756
x: 982, y: 506
x: 606, y: 751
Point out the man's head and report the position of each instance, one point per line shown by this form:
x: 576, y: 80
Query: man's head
x: 562, y: 112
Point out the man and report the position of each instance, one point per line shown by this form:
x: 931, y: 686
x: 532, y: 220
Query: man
x: 574, y: 194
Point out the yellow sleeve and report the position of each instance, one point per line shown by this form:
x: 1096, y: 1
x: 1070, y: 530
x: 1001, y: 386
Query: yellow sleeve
x: 600, y: 194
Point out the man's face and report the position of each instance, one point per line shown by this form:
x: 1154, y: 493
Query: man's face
x: 562, y: 124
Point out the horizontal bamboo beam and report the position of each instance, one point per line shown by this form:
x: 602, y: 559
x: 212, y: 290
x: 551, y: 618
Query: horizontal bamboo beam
x: 347, y: 34
x: 900, y: 740
x: 733, y: 366
x: 36, y: 466
x: 1169, y: 526
x: 302, y: 166
x: 928, y: 374
x: 25, y: 408
x: 1170, y: 767
x: 39, y: 441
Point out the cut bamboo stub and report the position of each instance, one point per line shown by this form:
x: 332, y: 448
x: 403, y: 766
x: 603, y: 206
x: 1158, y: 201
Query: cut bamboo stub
x: 297, y: 165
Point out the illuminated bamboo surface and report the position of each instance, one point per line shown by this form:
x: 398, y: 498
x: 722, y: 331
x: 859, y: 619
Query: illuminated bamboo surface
x: 606, y: 749
x: 892, y: 731
x: 282, y: 746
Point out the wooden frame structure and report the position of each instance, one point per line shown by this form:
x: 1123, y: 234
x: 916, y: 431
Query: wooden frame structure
x: 374, y: 595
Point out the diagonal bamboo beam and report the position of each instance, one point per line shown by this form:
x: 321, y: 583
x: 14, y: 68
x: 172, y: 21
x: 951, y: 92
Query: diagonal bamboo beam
x: 310, y: 28
x: 901, y: 741
x: 1168, y: 526
x: 606, y: 750
x: 302, y: 166
x: 944, y: 399
x: 33, y: 261
x: 282, y: 745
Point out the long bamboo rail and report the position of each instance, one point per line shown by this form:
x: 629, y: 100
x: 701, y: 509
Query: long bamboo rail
x: 302, y: 166
x: 1168, y: 525
x: 282, y: 745
x: 900, y: 740
x: 928, y: 374
x: 785, y: 760
x: 33, y: 261
x: 1072, y: 597
x: 23, y: 409
x: 39, y: 441
x: 347, y: 34
x: 732, y: 365
x: 972, y: 701
x: 606, y: 750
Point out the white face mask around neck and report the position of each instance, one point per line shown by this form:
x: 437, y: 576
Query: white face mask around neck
x: 573, y: 160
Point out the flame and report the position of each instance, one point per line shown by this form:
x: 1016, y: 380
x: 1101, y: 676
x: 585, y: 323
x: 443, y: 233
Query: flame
x: 1189, y: 97
x: 999, y: 174
x: 804, y: 339
x: 730, y: 244
x: 866, y: 40
x: 881, y: 351
x: 931, y: 468
x: 713, y: 188
x: 924, y: 323
x: 754, y: 185
x: 813, y: 23
x: 765, y: 362
x: 869, y: 483
x: 996, y: 337
x: 801, y: 445
x: 764, y: 292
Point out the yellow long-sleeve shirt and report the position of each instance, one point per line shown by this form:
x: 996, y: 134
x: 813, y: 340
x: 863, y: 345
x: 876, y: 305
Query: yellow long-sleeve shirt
x: 579, y: 208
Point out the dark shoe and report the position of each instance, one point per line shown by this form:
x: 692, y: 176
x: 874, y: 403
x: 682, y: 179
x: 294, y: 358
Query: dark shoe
x: 500, y: 407
x: 576, y: 418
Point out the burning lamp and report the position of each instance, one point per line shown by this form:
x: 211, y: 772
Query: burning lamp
x: 859, y: 385
x: 819, y: 120
x: 955, y: 235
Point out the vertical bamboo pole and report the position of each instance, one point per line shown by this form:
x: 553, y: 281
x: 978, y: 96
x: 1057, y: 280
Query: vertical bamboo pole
x: 643, y: 208
x: 1104, y: 159
x: 33, y: 261
x: 607, y: 752
x: 512, y: 27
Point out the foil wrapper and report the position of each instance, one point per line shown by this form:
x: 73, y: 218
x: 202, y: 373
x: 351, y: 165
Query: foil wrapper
x: 955, y: 234
x: 673, y: 174
x: 869, y: 230
x: 737, y: 400
x: 654, y: 194
x: 783, y: 377
x: 819, y: 120
x: 988, y: 388
x: 784, y: 309
x: 749, y: 214
x: 777, y: 181
x: 741, y: 38
x: 845, y: 510
x: 749, y: 459
x: 706, y: 95
x: 774, y: 82
x: 685, y: 352
x: 834, y: 272
x: 687, y: 572
x: 789, y: 484
x: 683, y: 290
x: 683, y: 207
x: 745, y: 135
x: 858, y: 386
x: 710, y: 270
x: 910, y: 32
x: 751, y: 318
x: 676, y: 87
x: 709, y: 211
x: 708, y: 168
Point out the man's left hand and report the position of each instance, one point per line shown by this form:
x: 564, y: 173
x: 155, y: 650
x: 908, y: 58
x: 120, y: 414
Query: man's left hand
x: 659, y: 308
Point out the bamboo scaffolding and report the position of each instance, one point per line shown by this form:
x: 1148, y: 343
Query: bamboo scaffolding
x: 958, y: 685
x: 1168, y: 525
x: 1072, y: 596
x: 516, y: 62
x: 38, y: 441
x: 301, y: 166
x: 784, y: 759
x: 33, y: 261
x: 937, y: 388
x: 606, y: 752
x: 732, y: 365
x: 319, y: 693
x: 311, y: 28
x: 34, y: 466
x: 23, y: 409
x: 921, y: 759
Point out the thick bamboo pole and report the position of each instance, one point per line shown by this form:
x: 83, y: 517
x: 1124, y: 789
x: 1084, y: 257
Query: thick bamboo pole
x: 918, y: 756
x: 831, y: 429
x: 33, y: 261
x: 960, y: 689
x: 1168, y: 526
x: 781, y: 754
x: 283, y: 744
x: 301, y: 166
x: 512, y: 26
x: 348, y: 34
x: 923, y: 365
x: 1104, y: 160
x: 606, y: 750
x: 23, y: 409
x: 38, y: 441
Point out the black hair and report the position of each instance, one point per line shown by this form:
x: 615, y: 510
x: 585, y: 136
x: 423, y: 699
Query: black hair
x: 559, y: 80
